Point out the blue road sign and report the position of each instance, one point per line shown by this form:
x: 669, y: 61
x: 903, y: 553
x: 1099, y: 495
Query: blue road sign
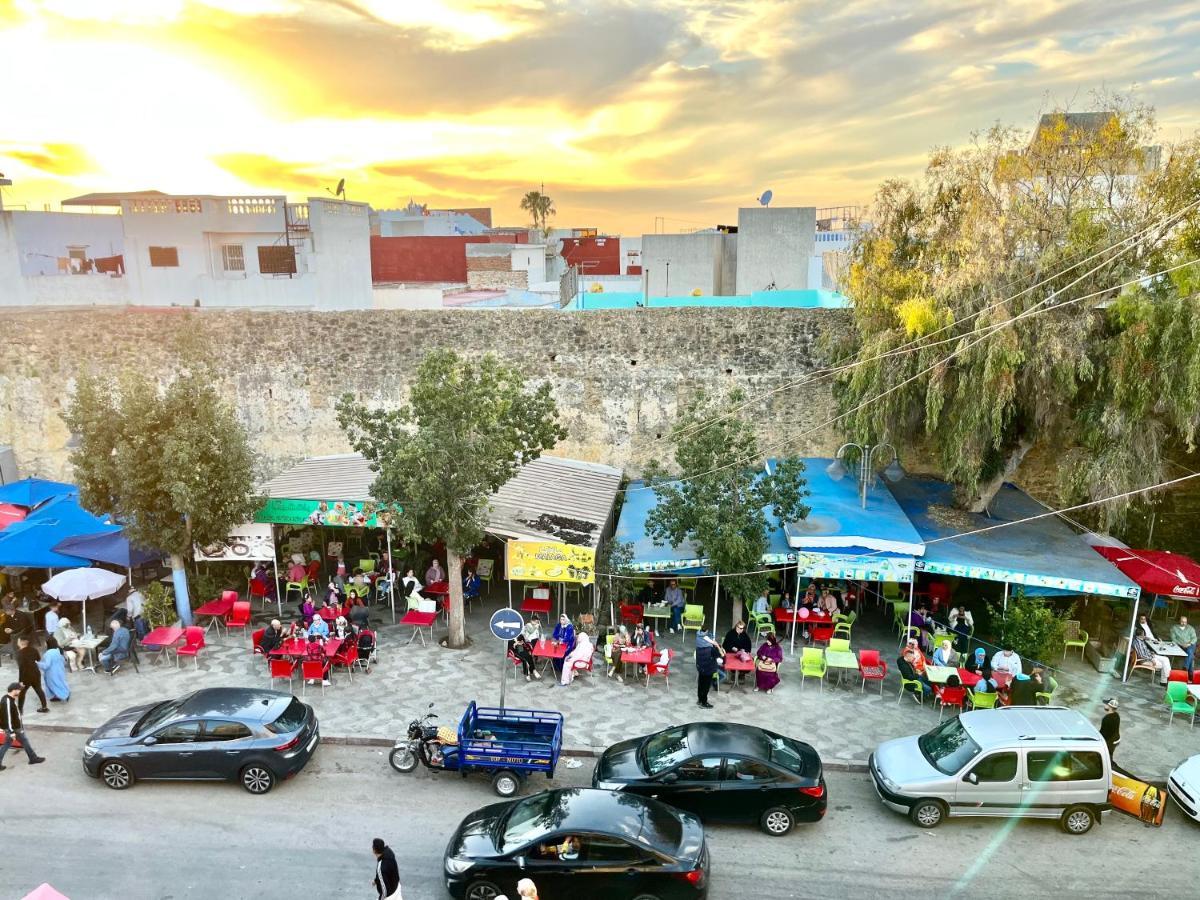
x: 506, y: 624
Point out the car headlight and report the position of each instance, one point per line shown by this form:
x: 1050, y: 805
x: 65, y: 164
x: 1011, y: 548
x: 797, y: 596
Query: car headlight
x: 90, y: 750
x: 456, y: 865
x: 609, y: 785
x: 889, y: 784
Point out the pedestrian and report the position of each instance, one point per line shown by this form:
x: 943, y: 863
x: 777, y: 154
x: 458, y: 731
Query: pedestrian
x: 54, y: 672
x: 526, y: 889
x: 52, y: 618
x: 707, y: 653
x: 28, y: 672
x: 387, y: 874
x: 673, y: 597
x: 766, y: 664
x: 1184, y: 635
x: 13, y: 727
x: 1110, y: 726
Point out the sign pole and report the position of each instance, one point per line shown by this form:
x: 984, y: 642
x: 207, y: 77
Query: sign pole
x: 505, y: 625
x: 503, y: 672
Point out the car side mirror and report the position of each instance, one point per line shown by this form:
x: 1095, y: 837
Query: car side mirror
x: 670, y: 778
x: 971, y: 777
x: 150, y: 741
x: 520, y: 862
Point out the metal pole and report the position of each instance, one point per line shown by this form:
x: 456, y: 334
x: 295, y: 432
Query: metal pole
x: 864, y: 458
x: 1004, y: 612
x: 795, y: 608
x: 1132, y: 628
x: 506, y: 577
x: 612, y: 612
x: 912, y: 595
x: 716, y: 600
x: 275, y: 566
x: 503, y: 670
x: 391, y: 576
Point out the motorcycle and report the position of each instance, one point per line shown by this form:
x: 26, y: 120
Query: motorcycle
x: 420, y: 745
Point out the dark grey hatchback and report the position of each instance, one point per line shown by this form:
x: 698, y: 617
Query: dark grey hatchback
x: 220, y: 734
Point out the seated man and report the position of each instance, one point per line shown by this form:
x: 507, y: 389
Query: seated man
x: 118, y: 648
x: 273, y: 636
x: 1007, y: 661
x: 909, y: 674
x: 1162, y: 665
x: 762, y: 604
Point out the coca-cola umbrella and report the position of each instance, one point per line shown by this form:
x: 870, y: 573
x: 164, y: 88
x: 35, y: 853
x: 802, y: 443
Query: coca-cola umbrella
x: 82, y: 585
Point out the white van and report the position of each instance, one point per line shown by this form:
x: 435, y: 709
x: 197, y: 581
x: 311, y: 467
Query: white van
x: 1043, y: 762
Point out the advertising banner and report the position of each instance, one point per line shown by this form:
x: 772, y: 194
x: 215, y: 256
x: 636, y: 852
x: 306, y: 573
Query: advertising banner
x: 333, y: 513
x: 246, y: 542
x: 551, y: 561
x: 1137, y: 798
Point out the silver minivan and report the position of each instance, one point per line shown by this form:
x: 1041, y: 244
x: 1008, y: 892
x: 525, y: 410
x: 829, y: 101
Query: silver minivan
x: 1043, y: 762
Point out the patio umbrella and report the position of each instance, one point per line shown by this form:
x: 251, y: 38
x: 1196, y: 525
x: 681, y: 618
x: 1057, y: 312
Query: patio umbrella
x: 32, y: 491
x: 82, y: 585
x: 112, y: 548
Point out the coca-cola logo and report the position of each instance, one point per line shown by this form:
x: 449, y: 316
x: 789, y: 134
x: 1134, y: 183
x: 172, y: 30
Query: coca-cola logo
x: 1186, y: 590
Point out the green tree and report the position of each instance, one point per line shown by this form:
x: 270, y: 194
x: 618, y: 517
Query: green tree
x: 469, y: 425
x: 1031, y: 626
x: 716, y: 500
x: 1103, y: 377
x: 172, y: 464
x: 540, y: 207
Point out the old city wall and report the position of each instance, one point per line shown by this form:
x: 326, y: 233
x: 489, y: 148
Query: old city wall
x: 618, y: 376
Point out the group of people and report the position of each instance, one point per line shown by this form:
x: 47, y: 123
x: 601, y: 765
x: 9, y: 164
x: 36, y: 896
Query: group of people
x: 711, y: 658
x: 578, y: 653
x: 1002, y: 673
x: 1183, y: 636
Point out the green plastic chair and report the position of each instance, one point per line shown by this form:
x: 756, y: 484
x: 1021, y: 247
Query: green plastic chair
x: 891, y: 591
x: 812, y: 664
x: 763, y: 623
x: 919, y: 693
x: 840, y: 644
x: 1074, y: 636
x: 1179, y: 701
x: 692, y: 618
x: 983, y: 699
x: 367, y: 565
x: 687, y: 585
x: 1046, y: 696
x: 842, y: 630
x: 851, y: 617
x: 774, y: 600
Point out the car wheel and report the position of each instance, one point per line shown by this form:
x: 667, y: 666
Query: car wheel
x: 257, y: 779
x: 777, y: 821
x: 1077, y: 820
x: 403, y: 760
x: 116, y: 775
x: 482, y: 890
x: 927, y: 813
x: 506, y: 784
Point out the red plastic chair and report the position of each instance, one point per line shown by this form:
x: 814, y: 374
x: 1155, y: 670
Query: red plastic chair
x: 584, y: 665
x: 239, y: 616
x: 313, y: 670
x: 193, y: 643
x: 665, y: 671
x: 1178, y: 675
x: 872, y: 668
x: 230, y: 596
x: 281, y: 668
x: 347, y: 656
x: 1196, y: 677
x: 949, y: 696
x: 631, y: 613
x: 822, y: 632
x: 258, y: 590
x: 256, y: 641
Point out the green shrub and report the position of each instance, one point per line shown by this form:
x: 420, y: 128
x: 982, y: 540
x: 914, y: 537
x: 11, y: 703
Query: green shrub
x: 159, y: 607
x: 1031, y: 626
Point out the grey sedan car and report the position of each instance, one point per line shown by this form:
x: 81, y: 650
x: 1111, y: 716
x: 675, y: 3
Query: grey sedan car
x: 252, y: 736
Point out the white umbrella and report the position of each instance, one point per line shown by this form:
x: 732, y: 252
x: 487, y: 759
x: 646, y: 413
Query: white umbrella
x: 82, y: 585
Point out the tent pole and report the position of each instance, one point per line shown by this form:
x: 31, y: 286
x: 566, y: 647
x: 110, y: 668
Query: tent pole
x: 795, y: 608
x: 391, y: 577
x: 1005, y: 610
x: 275, y: 566
x: 716, y: 601
x: 612, y: 613
x: 912, y: 597
x: 1132, y: 627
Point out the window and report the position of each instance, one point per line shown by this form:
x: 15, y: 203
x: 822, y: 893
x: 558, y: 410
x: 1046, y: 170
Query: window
x: 600, y: 848
x: 233, y: 258
x: 997, y: 767
x: 164, y: 257
x: 277, y: 260
x: 179, y: 733
x: 664, y: 750
x: 291, y: 719
x: 948, y: 747
x: 749, y: 770
x: 225, y: 731
x: 700, y: 769
x: 1065, y: 765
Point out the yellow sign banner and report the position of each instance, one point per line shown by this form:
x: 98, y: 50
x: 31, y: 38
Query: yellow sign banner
x: 551, y: 561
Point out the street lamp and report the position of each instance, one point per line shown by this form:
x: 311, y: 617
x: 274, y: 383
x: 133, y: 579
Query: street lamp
x: 866, y: 470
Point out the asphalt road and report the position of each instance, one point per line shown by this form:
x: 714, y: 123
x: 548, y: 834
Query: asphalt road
x: 310, y: 838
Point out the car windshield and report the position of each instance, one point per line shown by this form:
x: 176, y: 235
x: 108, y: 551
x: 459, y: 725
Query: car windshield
x: 787, y: 754
x: 948, y: 747
x: 157, y: 715
x: 291, y: 719
x: 664, y: 750
x: 527, y: 821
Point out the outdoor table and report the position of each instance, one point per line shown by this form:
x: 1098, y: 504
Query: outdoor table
x: 164, y: 638
x: 549, y: 650
x: 941, y: 674
x: 1165, y: 648
x: 419, y: 620
x: 791, y: 617
x: 734, y: 663
x: 656, y: 611
x: 216, y: 610
x: 299, y: 648
x: 843, y: 660
x: 533, y: 605
x: 90, y: 644
x: 638, y: 656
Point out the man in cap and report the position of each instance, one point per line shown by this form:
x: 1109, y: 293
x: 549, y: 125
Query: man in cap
x: 1110, y: 725
x: 13, y: 727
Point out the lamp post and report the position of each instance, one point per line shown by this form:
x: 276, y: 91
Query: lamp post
x: 893, y: 472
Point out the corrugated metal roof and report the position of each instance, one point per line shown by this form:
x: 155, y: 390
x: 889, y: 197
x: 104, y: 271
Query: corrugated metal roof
x: 551, y: 498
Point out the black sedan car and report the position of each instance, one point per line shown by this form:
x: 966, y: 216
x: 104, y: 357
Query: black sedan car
x: 579, y: 843
x: 721, y: 772
x: 220, y: 734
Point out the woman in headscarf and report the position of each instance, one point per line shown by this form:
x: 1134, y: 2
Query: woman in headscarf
x: 581, y: 653
x: 979, y: 665
x: 766, y: 664
x: 68, y: 639
x: 54, y: 672
x: 944, y: 655
x: 619, y: 642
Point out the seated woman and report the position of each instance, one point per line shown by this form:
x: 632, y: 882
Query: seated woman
x: 962, y: 635
x: 766, y: 664
x: 580, y: 653
x: 318, y: 628
x: 944, y: 655
x: 979, y: 665
x: 343, y: 630
x: 523, y: 651
x: 564, y: 633
x: 916, y: 661
x: 619, y: 642
x: 315, y: 652
x: 533, y: 629
x: 68, y: 642
x: 786, y: 602
x: 640, y: 637
x: 308, y: 609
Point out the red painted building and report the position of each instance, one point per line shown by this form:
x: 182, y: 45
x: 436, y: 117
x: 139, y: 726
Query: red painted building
x: 417, y: 259
x: 593, y: 255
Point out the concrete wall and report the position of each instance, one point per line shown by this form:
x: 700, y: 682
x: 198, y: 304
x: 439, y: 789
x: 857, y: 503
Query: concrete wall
x: 42, y: 237
x: 594, y: 256
x: 631, y: 255
x: 618, y: 377
x: 774, y: 245
x: 696, y: 261
x: 530, y: 259
x: 12, y: 285
x: 405, y: 297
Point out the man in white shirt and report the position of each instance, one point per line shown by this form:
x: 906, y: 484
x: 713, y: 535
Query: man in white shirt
x: 134, y: 602
x: 52, y: 619
x: 1143, y: 629
x: 762, y: 604
x: 1007, y: 661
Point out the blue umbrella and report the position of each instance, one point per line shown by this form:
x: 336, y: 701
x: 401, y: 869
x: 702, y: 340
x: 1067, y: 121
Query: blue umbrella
x: 32, y: 491
x: 113, y: 548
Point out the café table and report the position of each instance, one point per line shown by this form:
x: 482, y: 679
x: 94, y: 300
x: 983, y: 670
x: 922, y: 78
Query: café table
x: 549, y: 650
x: 90, y: 644
x: 842, y: 660
x: 419, y: 620
x: 791, y: 617
x: 216, y: 610
x: 535, y: 605
x: 734, y: 663
x: 941, y: 674
x: 656, y: 611
x: 1165, y: 648
x: 163, y: 638
x: 639, y: 656
x: 298, y: 647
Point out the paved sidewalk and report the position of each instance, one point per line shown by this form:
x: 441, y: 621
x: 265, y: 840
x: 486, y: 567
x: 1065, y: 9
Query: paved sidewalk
x: 844, y: 724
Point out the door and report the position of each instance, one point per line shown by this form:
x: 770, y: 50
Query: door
x: 751, y: 787
x: 990, y: 787
x: 221, y: 748
x: 697, y: 788
x: 1059, y: 778
x: 173, y: 753
x: 612, y: 867
x: 554, y: 862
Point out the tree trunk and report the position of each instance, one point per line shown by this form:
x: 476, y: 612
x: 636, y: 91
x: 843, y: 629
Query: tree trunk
x: 457, y: 637
x: 987, y: 491
x: 183, y: 605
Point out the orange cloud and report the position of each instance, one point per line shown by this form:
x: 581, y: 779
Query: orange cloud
x: 53, y: 159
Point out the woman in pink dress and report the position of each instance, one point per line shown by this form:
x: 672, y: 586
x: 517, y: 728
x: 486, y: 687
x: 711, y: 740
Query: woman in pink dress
x: 766, y: 664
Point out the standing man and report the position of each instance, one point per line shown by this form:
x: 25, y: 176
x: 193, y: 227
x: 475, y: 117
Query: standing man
x: 1184, y: 635
x: 28, y: 672
x: 1110, y: 726
x: 134, y: 601
x: 52, y: 619
x: 10, y: 722
x: 708, y: 651
x: 387, y: 874
x: 673, y: 596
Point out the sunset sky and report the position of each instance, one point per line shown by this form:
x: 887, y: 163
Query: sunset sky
x: 684, y: 109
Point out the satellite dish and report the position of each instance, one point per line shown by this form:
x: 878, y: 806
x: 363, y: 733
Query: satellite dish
x: 765, y: 199
x: 340, y: 190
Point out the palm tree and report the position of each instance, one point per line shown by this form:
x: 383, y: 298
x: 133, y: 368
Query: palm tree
x: 539, y: 206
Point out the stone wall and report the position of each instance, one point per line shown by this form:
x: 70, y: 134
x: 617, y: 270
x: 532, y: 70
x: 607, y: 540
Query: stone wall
x: 618, y: 376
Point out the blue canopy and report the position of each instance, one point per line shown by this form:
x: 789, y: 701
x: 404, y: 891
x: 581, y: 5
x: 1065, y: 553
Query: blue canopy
x: 31, y: 543
x: 1043, y: 554
x: 113, y: 548
x: 32, y: 491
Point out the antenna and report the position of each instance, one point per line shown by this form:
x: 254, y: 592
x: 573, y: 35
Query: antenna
x: 765, y: 199
x: 340, y: 190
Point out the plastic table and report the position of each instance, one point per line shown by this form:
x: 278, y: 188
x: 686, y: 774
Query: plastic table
x: 419, y: 620
x: 841, y: 660
x: 163, y: 638
x: 216, y: 610
x: 298, y: 648
x: 734, y: 663
x: 533, y: 605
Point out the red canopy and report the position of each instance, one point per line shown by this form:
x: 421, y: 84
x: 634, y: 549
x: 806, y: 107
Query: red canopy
x: 1157, y: 571
x: 10, y: 514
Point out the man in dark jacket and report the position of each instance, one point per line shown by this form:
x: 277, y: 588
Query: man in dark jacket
x: 272, y: 636
x: 1110, y: 726
x: 708, y: 651
x: 28, y: 672
x: 13, y: 727
x: 387, y: 874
